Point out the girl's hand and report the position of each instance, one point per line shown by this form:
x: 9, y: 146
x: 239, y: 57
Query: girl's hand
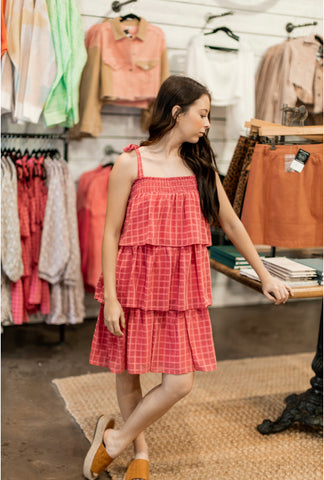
x: 276, y: 290
x: 114, y: 317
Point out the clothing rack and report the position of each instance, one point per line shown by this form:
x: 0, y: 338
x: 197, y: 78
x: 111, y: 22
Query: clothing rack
x: 50, y: 136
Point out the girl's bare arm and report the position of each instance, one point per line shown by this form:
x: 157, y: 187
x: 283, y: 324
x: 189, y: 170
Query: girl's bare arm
x: 273, y: 288
x: 121, y: 179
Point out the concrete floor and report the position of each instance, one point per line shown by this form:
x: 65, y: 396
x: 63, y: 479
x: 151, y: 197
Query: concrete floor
x: 40, y: 440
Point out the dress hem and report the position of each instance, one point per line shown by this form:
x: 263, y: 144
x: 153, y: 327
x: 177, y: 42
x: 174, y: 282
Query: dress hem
x: 166, y: 371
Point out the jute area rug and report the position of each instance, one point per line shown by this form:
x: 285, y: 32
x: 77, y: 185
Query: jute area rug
x: 211, y: 434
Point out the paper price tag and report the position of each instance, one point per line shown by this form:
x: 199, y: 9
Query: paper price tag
x: 296, y: 166
x: 299, y: 161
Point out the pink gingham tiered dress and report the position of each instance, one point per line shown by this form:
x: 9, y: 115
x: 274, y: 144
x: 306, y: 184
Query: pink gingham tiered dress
x: 163, y: 282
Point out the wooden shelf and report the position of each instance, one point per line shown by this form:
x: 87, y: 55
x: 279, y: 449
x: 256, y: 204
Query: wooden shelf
x: 301, y: 292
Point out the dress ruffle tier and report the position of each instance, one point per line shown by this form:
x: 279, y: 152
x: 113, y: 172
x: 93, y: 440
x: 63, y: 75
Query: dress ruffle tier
x: 170, y: 342
x: 163, y: 211
x: 161, y: 278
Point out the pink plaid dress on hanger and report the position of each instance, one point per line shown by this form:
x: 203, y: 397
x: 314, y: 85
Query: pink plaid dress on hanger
x: 163, y: 282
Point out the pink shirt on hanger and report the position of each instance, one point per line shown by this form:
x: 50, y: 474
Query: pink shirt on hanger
x: 126, y: 66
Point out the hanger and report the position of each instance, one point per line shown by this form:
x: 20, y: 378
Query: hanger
x: 130, y: 16
x: 108, y: 150
x: 319, y: 39
x: 17, y: 153
x: 228, y: 32
x: 54, y: 153
x: 109, y: 164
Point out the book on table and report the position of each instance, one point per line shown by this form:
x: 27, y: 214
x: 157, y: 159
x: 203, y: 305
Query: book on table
x: 288, y: 269
x: 228, y: 255
x: 293, y: 283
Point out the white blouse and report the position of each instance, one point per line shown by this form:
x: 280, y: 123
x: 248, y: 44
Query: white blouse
x: 229, y: 76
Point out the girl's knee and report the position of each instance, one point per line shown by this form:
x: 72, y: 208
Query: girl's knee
x: 178, y: 386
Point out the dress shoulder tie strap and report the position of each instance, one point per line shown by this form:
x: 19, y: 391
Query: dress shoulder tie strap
x: 131, y: 147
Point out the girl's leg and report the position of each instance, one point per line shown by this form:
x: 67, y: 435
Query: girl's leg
x: 148, y: 410
x: 129, y: 394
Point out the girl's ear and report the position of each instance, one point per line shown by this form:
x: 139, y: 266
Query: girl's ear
x: 176, y: 110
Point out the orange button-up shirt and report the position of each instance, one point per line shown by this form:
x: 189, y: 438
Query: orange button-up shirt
x: 126, y: 65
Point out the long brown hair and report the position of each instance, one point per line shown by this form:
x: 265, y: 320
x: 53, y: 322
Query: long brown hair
x: 200, y: 158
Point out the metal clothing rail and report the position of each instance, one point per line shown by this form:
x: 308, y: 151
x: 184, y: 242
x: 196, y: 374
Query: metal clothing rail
x: 55, y: 136
x: 290, y: 27
x: 117, y: 6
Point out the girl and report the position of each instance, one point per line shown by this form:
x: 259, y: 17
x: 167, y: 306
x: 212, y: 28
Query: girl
x: 156, y: 288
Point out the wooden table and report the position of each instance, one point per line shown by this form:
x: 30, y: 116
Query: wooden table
x: 305, y: 408
x: 300, y: 292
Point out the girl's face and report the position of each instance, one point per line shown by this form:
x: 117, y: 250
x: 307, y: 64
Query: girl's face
x: 194, y: 122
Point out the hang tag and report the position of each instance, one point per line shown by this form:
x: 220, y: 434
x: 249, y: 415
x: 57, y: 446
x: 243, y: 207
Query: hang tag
x: 299, y: 161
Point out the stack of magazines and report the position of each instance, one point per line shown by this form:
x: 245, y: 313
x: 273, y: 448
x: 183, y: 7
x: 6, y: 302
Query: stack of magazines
x: 229, y: 256
x: 293, y: 273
